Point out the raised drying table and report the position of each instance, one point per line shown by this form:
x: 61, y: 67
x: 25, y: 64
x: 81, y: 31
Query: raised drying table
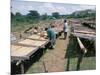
x: 24, y: 49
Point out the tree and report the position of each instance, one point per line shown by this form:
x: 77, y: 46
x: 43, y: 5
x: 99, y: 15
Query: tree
x: 19, y: 17
x: 56, y: 15
x: 45, y: 16
x: 18, y: 14
x: 33, y: 15
x: 83, y: 14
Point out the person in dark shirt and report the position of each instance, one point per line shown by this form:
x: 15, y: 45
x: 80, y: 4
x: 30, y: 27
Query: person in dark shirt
x: 51, y: 36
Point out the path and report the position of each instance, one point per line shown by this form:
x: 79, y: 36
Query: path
x: 53, y: 59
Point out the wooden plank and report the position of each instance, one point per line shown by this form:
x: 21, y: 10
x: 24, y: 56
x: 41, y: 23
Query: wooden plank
x: 19, y: 58
x: 24, y: 45
x: 33, y: 42
x: 84, y: 32
x: 37, y: 37
x: 24, y: 51
x: 14, y: 47
x: 86, y: 36
x: 41, y: 39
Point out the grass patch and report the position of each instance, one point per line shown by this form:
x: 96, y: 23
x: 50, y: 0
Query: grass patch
x: 36, y: 68
x: 88, y: 63
x: 21, y: 26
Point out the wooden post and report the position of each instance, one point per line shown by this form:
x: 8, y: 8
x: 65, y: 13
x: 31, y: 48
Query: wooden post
x: 81, y: 55
x: 69, y: 51
x: 95, y: 44
x: 22, y: 67
x: 45, y: 69
x: 83, y: 50
x: 68, y: 62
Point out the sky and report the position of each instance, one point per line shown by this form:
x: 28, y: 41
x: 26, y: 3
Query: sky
x: 46, y: 7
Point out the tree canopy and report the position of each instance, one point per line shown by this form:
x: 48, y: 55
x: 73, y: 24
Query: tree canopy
x: 33, y: 15
x: 56, y: 15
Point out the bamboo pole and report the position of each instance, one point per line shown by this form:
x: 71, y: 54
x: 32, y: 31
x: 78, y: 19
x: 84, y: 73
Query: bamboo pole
x: 81, y: 45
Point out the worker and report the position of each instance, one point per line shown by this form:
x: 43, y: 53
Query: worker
x: 52, y: 36
x: 65, y: 29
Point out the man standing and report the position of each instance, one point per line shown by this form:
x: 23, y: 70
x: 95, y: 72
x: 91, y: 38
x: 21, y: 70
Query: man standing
x: 65, y: 29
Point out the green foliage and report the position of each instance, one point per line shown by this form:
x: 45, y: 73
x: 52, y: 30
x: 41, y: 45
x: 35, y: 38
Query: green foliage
x: 18, y: 17
x: 44, y: 17
x: 18, y: 14
x: 83, y: 14
x: 33, y: 15
x: 30, y: 18
x: 56, y: 15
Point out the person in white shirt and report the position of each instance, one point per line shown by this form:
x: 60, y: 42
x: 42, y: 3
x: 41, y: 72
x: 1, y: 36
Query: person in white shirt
x: 65, y: 29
